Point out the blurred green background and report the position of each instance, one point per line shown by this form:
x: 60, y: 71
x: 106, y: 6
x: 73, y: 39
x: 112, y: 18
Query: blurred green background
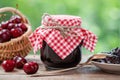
x: 102, y: 17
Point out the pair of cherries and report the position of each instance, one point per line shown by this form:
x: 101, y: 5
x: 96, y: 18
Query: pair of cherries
x: 20, y: 63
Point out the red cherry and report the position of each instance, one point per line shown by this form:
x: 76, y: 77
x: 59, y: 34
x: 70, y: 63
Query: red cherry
x: 19, y: 62
x: 15, y: 58
x: 15, y: 19
x: 5, y: 35
x: 0, y: 28
x: 36, y: 66
x: 22, y: 26
x: 10, y: 26
x: 16, y: 32
x: 4, y: 25
x: 30, y: 68
x: 8, y: 65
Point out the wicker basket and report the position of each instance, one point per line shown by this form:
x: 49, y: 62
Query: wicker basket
x: 17, y: 46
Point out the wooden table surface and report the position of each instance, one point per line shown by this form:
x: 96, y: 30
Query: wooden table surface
x: 88, y: 72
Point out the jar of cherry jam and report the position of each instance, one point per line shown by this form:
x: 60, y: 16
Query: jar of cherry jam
x: 59, y: 40
x: 52, y: 61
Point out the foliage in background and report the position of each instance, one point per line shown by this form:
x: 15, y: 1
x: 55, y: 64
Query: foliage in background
x: 102, y: 17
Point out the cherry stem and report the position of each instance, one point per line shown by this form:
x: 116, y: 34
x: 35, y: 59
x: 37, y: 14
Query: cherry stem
x: 17, y: 6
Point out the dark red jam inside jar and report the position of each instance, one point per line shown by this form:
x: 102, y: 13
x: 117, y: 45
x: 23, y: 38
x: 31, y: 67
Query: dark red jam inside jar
x: 52, y: 61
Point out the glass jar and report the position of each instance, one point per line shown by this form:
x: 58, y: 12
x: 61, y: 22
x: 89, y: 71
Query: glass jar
x: 52, y: 61
x: 55, y: 50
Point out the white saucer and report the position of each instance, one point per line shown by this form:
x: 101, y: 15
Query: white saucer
x: 111, y: 68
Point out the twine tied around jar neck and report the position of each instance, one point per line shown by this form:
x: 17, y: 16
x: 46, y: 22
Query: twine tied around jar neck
x: 64, y: 31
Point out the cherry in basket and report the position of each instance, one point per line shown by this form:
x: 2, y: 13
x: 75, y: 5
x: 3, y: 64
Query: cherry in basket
x: 15, y: 19
x: 4, y: 24
x: 15, y: 27
x: 0, y: 28
x: 16, y: 32
x: 5, y: 35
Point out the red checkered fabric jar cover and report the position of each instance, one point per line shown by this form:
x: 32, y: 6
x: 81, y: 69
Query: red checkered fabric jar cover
x: 61, y: 45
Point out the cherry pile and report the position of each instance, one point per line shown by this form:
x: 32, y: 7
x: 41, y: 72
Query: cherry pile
x: 113, y: 59
x: 20, y: 63
x: 12, y: 28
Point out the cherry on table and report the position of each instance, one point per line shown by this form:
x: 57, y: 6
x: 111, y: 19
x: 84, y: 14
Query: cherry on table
x: 19, y: 61
x: 36, y: 66
x: 30, y: 68
x: 8, y: 65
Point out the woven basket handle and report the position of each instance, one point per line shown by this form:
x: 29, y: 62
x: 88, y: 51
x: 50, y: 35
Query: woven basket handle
x: 13, y: 10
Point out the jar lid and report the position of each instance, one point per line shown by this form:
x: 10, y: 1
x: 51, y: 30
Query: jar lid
x: 61, y: 20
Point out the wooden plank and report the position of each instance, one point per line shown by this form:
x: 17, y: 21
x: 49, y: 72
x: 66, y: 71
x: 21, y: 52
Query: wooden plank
x: 88, y: 72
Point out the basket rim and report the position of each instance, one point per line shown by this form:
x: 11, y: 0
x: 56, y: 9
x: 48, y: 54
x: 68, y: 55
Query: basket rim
x: 15, y: 11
